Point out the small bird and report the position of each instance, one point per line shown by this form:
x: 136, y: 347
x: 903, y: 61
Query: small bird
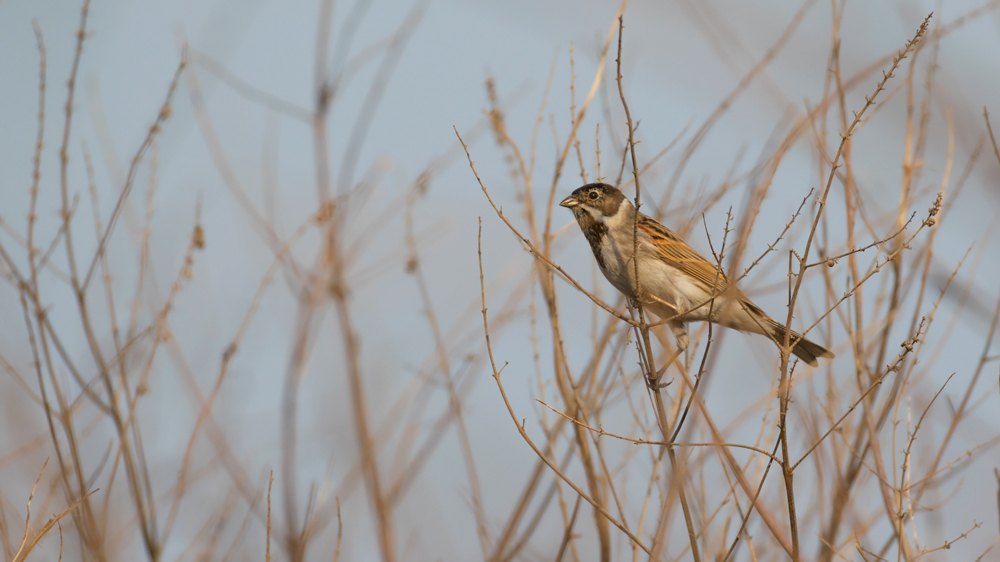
x: 675, y: 282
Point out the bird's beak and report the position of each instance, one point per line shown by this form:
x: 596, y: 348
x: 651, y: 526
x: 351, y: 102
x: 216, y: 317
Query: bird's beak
x: 569, y: 202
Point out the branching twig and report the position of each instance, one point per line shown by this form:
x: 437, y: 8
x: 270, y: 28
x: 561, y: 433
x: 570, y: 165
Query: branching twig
x: 520, y: 424
x: 646, y: 357
x: 537, y: 253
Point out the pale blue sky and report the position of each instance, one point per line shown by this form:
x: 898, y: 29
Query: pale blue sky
x: 677, y: 69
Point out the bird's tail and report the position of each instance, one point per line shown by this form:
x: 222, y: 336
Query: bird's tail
x: 805, y: 350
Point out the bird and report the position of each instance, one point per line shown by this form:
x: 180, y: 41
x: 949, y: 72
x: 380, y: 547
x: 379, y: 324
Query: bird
x: 675, y: 282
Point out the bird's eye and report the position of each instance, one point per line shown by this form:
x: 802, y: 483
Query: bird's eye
x: 593, y: 195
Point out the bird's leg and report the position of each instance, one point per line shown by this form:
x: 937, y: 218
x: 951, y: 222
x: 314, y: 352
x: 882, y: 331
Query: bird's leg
x: 653, y: 379
x: 654, y: 382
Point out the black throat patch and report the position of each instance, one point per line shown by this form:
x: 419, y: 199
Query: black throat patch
x: 595, y: 231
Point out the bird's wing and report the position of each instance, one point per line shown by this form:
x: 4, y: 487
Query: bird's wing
x: 677, y: 254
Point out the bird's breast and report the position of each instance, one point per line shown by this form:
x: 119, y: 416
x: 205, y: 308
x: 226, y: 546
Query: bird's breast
x: 666, y: 291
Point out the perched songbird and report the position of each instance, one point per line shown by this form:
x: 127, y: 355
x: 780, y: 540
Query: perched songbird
x: 675, y: 282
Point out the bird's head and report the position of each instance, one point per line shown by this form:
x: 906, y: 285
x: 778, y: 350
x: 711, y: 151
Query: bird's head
x: 599, y: 200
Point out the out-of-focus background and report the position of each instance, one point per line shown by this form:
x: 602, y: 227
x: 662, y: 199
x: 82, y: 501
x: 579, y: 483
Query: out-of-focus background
x: 206, y: 422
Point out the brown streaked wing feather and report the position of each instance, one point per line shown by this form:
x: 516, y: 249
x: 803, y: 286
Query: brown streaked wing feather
x: 677, y: 254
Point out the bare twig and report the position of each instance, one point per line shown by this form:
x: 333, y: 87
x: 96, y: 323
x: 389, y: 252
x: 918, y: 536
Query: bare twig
x: 646, y: 352
x: 520, y: 425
